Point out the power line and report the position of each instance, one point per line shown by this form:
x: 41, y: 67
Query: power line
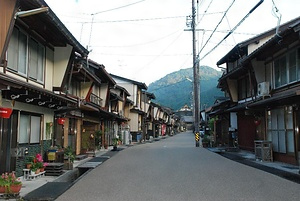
x: 104, y: 11
x: 128, y: 20
x: 234, y: 28
x: 93, y: 16
x: 125, y: 46
x: 216, y: 27
x: 161, y: 52
x: 143, y: 55
x: 205, y: 12
x: 121, y: 20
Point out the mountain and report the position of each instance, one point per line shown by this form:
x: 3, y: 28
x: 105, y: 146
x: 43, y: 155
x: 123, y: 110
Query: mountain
x: 175, y: 89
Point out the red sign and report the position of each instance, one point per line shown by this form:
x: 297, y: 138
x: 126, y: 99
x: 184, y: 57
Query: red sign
x: 61, y: 121
x: 5, y: 112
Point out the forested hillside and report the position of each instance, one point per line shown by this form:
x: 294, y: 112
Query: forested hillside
x: 175, y: 89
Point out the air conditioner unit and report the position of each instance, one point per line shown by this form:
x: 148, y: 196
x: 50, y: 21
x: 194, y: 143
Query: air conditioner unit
x: 263, y: 89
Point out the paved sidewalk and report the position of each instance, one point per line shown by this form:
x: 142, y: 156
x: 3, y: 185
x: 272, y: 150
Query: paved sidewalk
x: 31, y: 185
x: 284, y: 170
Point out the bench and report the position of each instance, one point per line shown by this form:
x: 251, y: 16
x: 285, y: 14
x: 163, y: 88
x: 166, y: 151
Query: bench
x: 29, y: 176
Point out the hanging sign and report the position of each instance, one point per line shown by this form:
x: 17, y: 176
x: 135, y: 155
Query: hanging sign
x: 61, y: 121
x: 5, y: 112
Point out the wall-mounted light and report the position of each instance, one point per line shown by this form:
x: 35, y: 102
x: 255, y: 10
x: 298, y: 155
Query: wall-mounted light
x: 13, y: 96
x: 51, y: 105
x: 31, y: 12
x: 29, y: 100
x: 41, y: 103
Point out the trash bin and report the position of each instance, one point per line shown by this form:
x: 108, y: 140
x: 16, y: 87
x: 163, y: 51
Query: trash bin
x: 263, y: 150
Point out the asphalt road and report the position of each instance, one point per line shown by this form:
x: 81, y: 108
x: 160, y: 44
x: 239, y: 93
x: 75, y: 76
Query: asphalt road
x: 174, y: 169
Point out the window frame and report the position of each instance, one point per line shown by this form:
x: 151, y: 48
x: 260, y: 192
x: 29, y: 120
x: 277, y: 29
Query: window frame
x: 283, y: 67
x: 38, y: 76
x: 30, y: 136
x: 244, y: 88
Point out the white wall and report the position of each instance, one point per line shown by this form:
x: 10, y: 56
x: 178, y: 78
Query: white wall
x: 61, y: 60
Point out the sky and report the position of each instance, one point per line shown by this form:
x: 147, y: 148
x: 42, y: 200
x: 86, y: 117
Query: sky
x: 144, y: 40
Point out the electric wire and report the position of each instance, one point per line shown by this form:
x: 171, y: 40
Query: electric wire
x: 204, y: 12
x: 234, y: 28
x: 230, y: 28
x: 140, y: 44
x: 221, y: 20
x: 117, y: 8
x: 93, y: 17
x: 161, y: 52
x: 127, y: 20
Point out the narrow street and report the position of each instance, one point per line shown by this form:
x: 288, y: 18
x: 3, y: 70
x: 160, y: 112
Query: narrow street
x: 174, y: 169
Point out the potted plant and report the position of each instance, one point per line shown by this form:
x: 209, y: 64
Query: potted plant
x: 98, y: 138
x: 4, y: 183
x: 39, y: 166
x: 105, y: 145
x: 29, y: 162
x: 36, y: 164
x: 115, y: 143
x: 70, y: 157
x: 206, y: 141
x: 15, y: 183
x: 34, y: 169
x: 9, y: 183
x: 44, y: 166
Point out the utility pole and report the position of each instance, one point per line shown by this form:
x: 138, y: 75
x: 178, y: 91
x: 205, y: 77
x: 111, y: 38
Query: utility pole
x: 196, y: 81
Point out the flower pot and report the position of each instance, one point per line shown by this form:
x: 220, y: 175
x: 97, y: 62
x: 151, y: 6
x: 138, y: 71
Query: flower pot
x: 15, y: 188
x: 115, y: 148
x: 42, y: 169
x: 68, y: 165
x: 2, y: 189
x: 37, y: 171
x: 28, y: 166
x: 32, y: 172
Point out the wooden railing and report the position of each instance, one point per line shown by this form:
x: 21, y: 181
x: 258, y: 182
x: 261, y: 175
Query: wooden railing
x: 95, y: 99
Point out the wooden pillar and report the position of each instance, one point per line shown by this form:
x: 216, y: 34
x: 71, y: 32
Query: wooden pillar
x: 78, y: 136
x: 66, y: 132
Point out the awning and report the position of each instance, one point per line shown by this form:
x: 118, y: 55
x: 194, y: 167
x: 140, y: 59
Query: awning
x: 25, y: 92
x: 289, y: 97
x: 116, y: 96
x: 237, y: 108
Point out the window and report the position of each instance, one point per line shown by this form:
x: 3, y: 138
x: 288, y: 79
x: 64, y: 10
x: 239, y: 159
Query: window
x: 30, y: 56
x: 36, y: 60
x: 30, y: 129
x: 244, y: 89
x: 287, y: 69
x: 280, y: 130
x: 17, y: 52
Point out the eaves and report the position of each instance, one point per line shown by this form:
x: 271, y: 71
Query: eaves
x: 10, y: 81
x: 141, y: 85
x: 242, y: 47
x: 49, y: 26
